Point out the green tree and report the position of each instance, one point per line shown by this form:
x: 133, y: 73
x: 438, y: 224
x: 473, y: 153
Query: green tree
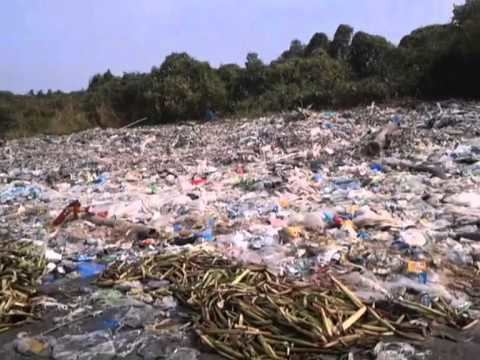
x: 428, y: 38
x: 231, y: 75
x: 185, y: 88
x: 255, y: 76
x: 304, y: 81
x: 467, y: 14
x: 295, y: 50
x: 368, y: 55
x: 319, y: 41
x: 340, y: 45
x: 253, y: 61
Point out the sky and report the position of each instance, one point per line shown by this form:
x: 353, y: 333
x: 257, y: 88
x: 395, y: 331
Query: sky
x: 61, y: 44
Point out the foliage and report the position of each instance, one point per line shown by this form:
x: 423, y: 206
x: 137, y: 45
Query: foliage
x: 319, y: 41
x: 435, y: 61
x: 340, y: 46
x: 295, y: 50
x: 368, y: 55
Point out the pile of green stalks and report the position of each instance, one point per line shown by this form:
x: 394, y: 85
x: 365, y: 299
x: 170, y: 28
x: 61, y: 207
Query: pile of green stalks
x: 247, y: 312
x: 21, y: 266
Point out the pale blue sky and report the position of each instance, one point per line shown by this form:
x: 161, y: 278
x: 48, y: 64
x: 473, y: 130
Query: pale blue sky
x: 60, y: 44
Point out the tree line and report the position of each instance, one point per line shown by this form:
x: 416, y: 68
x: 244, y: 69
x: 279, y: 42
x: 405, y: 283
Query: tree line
x: 432, y: 62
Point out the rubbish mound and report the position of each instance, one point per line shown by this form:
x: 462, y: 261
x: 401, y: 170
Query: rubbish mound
x: 245, y: 311
x: 21, y: 267
x: 385, y: 200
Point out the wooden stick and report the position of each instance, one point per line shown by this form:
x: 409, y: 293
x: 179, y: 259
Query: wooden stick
x: 134, y: 123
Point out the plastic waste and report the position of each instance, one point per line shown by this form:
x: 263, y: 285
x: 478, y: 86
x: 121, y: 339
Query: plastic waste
x: 399, y: 245
x: 141, y: 315
x: 418, y: 265
x: 209, y: 233
x: 328, y: 256
x: 413, y: 237
x: 198, y: 181
x: 166, y: 303
x: 328, y: 217
x: 397, y: 120
x: 111, y: 324
x: 394, y: 351
x: 425, y: 300
x: 184, y: 354
x: 376, y: 167
x: 468, y: 154
x: 102, y: 179
x: 363, y: 235
x: 88, y: 269
x: 459, y: 255
x: 81, y: 258
x: 31, y: 345
x: 109, y: 297
x: 318, y: 178
x: 19, y: 192
x: 259, y: 242
x: 51, y: 255
x: 423, y: 277
x: 312, y: 221
x: 153, y: 189
x: 347, y: 184
x: 95, y: 345
x: 468, y: 199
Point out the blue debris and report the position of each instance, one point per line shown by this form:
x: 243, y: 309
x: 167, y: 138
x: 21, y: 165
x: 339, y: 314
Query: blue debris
x: 397, y: 120
x: 101, y: 180
x: 328, y: 217
x: 422, y: 278
x: 89, y: 269
x: 363, y: 235
x: 18, y: 192
x: 209, y: 233
x: 377, y: 167
x: 400, y: 245
x: 347, y: 184
x: 318, y: 178
x: 82, y: 258
x: 426, y: 300
x: 110, y: 324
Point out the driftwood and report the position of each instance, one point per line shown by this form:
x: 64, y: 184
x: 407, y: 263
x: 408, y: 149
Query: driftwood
x: 405, y: 164
x: 381, y: 140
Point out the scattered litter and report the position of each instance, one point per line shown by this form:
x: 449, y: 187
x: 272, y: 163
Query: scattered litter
x: 382, y: 199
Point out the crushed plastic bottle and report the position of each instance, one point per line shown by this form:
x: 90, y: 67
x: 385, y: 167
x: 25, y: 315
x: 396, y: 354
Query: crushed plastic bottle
x: 209, y: 233
x: 347, y: 184
x: 18, y: 192
x: 318, y: 178
x: 394, y: 351
x: 376, y: 167
x: 425, y: 300
x: 363, y: 235
x: 102, y: 179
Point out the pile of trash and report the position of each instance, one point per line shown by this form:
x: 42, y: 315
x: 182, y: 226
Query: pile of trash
x: 21, y: 267
x: 385, y: 200
x: 246, y: 312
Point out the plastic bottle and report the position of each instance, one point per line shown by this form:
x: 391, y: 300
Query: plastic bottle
x: 209, y: 233
x: 425, y: 300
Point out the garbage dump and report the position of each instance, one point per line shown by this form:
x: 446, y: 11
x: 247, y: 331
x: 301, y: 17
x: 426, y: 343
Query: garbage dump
x: 339, y: 233
x: 21, y: 266
x: 246, y: 311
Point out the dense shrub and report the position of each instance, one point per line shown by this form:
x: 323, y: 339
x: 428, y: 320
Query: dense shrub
x: 435, y: 61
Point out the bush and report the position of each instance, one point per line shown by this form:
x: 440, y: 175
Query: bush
x: 434, y: 61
